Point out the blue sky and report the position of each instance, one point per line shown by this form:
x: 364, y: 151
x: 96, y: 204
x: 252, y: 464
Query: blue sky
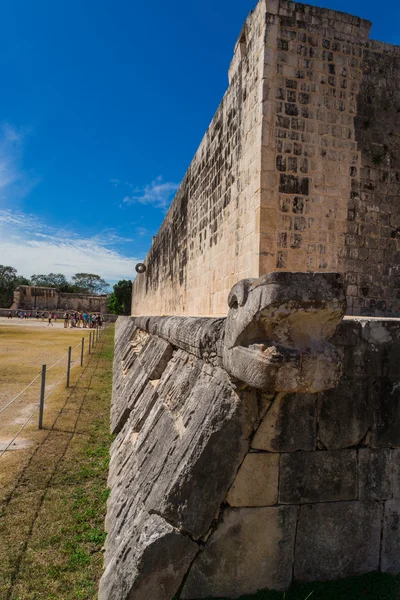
x: 103, y: 105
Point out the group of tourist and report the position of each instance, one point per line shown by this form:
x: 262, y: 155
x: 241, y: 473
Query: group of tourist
x: 71, y: 319
x: 84, y: 320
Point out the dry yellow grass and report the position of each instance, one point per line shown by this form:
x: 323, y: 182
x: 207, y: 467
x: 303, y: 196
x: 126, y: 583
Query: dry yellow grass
x: 52, y: 501
x: 23, y: 350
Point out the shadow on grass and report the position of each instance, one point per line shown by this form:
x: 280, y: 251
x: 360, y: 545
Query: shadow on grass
x: 374, y: 586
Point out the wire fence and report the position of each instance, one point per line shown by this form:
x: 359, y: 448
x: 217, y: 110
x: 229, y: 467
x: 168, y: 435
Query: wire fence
x: 90, y: 342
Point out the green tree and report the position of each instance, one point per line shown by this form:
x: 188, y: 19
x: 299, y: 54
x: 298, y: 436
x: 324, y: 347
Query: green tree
x: 90, y: 283
x: 119, y: 302
x: 57, y: 280
x: 9, y: 280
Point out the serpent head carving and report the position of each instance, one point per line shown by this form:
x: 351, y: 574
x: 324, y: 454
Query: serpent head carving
x: 278, y: 328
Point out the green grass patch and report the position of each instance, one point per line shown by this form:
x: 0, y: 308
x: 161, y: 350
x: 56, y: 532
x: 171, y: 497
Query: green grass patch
x: 52, y: 528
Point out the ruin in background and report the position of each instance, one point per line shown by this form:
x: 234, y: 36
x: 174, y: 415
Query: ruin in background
x: 31, y: 297
x: 257, y: 431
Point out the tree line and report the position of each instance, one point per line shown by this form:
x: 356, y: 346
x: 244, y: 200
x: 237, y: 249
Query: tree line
x: 118, y: 302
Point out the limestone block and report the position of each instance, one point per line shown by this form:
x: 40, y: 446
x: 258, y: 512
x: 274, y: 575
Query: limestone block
x: 374, y: 474
x: 126, y: 396
x: 256, y: 483
x: 251, y: 549
x: 344, y: 414
x: 324, y: 476
x: 149, y: 364
x: 151, y: 561
x: 386, y: 405
x: 395, y: 462
x: 289, y: 425
x: 338, y: 539
x: 390, y: 557
x: 154, y: 356
x: 187, y: 451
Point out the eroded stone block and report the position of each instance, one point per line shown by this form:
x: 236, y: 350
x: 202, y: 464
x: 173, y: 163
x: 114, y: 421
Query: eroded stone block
x: 256, y: 483
x: 386, y: 404
x: 252, y: 549
x: 289, y: 425
x: 318, y: 476
x: 150, y: 562
x: 390, y: 559
x: 337, y: 539
x: 374, y: 474
x: 344, y: 414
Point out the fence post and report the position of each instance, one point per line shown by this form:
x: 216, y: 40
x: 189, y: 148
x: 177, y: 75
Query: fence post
x: 92, y: 332
x: 97, y: 333
x: 82, y: 350
x: 41, y: 402
x: 69, y: 365
x: 90, y: 340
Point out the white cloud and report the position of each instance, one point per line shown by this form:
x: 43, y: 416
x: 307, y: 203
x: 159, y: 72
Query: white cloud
x: 159, y: 193
x: 14, y: 181
x: 32, y: 247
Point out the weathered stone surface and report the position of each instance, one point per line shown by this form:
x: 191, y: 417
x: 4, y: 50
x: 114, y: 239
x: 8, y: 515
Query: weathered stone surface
x: 150, y: 562
x: 390, y: 556
x: 344, y: 414
x: 154, y: 356
x: 395, y: 463
x: 149, y: 363
x: 187, y: 452
x: 318, y: 476
x: 386, y: 405
x: 290, y: 424
x: 252, y: 549
x: 256, y: 483
x: 337, y: 539
x: 200, y: 336
x: 374, y: 474
x: 277, y: 331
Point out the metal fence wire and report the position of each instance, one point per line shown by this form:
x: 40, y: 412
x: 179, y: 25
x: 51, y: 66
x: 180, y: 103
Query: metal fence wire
x: 92, y: 339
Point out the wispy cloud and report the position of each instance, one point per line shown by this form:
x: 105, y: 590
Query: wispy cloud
x: 159, y: 193
x: 141, y: 231
x: 14, y: 180
x: 31, y: 246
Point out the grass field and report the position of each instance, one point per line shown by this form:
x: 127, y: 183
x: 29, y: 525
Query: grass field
x: 52, y: 501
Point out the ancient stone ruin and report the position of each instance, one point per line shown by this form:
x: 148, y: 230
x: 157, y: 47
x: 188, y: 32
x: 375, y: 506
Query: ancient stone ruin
x: 258, y: 427
x: 32, y: 297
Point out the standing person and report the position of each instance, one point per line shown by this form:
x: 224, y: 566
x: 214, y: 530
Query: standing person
x: 66, y: 319
x: 90, y: 321
x: 49, y: 320
x: 9, y: 315
x: 37, y: 314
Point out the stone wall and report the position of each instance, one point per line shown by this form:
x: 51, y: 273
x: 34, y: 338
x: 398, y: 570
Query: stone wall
x: 298, y: 170
x: 27, y: 297
x: 306, y: 485
x: 210, y: 237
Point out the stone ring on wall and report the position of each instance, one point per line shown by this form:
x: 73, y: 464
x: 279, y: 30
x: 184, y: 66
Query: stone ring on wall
x: 140, y: 268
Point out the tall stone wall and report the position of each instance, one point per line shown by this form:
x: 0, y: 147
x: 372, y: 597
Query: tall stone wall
x: 27, y: 297
x: 219, y: 490
x: 210, y: 238
x: 297, y: 172
x: 371, y: 255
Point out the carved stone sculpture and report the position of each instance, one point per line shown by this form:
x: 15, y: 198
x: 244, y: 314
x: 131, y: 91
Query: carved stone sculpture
x: 275, y: 337
x: 277, y: 331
